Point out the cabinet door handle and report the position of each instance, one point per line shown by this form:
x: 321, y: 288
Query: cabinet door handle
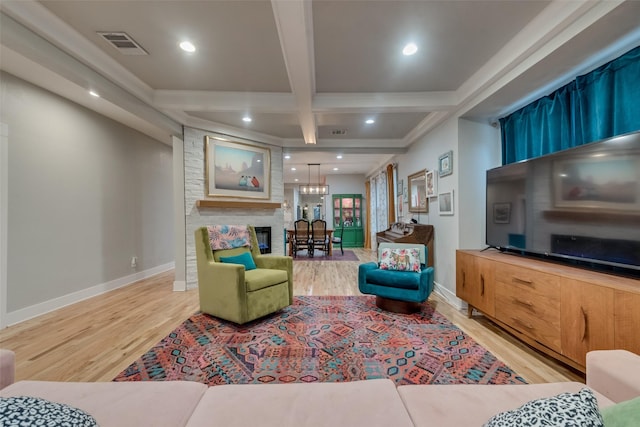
x: 585, y: 321
x: 482, y: 285
x: 464, y: 279
x: 521, y: 323
x: 524, y: 281
x: 525, y: 303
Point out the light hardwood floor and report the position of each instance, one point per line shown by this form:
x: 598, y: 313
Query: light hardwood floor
x: 96, y: 339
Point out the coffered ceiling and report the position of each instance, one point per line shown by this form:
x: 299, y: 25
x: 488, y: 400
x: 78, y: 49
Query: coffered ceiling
x: 309, y: 73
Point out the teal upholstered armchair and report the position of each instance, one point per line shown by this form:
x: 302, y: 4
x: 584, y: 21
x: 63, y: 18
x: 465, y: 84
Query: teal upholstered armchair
x: 393, y: 279
x: 239, y: 284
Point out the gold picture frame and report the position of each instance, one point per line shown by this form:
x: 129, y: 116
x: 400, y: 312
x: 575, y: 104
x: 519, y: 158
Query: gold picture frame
x: 236, y: 169
x: 418, y: 201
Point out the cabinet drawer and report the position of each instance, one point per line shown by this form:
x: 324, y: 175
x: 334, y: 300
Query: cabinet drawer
x: 526, y: 279
x: 536, y: 315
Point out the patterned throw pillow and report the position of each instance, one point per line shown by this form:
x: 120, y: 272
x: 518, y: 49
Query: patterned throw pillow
x: 405, y: 259
x: 566, y: 410
x: 33, y: 411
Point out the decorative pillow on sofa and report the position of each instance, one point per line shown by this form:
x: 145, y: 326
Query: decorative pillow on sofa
x: 623, y: 414
x: 405, y: 259
x: 28, y: 411
x: 245, y: 259
x: 566, y: 409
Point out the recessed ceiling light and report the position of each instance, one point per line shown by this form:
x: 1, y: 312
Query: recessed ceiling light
x: 92, y: 93
x: 187, y: 46
x: 295, y: 180
x: 410, y: 49
x: 339, y: 156
x: 335, y: 169
x: 293, y: 169
x: 246, y: 119
x: 370, y: 121
x: 286, y: 156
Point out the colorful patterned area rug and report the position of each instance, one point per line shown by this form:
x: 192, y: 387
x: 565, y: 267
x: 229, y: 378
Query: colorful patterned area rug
x: 336, y: 255
x: 322, y: 339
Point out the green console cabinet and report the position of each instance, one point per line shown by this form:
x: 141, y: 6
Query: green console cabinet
x: 347, y: 212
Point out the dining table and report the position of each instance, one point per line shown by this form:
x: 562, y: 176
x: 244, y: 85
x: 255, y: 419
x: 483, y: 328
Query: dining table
x: 291, y: 234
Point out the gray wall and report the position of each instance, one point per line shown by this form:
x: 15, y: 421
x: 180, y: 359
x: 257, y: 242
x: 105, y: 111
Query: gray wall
x: 85, y: 195
x: 194, y: 167
x: 345, y: 184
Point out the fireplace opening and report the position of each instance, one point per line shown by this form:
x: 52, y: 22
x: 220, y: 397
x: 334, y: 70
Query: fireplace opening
x: 264, y: 239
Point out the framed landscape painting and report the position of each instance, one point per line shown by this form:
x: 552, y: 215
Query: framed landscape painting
x: 588, y: 183
x: 235, y: 169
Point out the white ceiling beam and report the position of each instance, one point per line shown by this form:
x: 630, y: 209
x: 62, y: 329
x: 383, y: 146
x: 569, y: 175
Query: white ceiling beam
x: 195, y: 100
x: 30, y: 71
x: 376, y: 146
x: 384, y: 102
x: 295, y: 28
x: 32, y: 58
x: 42, y: 21
x: 231, y: 131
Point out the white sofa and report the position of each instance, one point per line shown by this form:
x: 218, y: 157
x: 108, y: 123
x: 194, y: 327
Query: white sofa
x: 614, y: 375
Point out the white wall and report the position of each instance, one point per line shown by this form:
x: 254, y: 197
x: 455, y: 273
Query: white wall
x: 85, y: 195
x: 195, y: 190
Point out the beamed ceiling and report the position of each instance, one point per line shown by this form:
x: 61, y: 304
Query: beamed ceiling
x: 309, y: 73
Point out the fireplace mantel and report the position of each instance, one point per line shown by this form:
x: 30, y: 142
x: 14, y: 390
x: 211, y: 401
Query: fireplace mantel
x: 206, y: 203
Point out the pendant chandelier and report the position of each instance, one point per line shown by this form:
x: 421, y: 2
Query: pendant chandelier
x: 311, y: 188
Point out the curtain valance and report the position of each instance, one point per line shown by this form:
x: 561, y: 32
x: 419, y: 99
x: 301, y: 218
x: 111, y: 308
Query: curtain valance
x: 597, y: 105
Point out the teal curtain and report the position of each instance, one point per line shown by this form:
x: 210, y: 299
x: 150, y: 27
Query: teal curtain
x: 598, y: 105
x: 608, y: 99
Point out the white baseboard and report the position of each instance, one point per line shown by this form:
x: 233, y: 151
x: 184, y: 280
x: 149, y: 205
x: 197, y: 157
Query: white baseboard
x: 179, y: 285
x: 45, y: 307
x: 449, y: 296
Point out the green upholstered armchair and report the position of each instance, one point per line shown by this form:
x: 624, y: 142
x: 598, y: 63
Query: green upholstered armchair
x: 229, y: 292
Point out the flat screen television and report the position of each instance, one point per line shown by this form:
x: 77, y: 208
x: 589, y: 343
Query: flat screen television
x: 579, y: 206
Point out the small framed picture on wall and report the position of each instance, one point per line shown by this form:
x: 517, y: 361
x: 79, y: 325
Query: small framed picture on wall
x: 445, y: 164
x: 445, y: 203
x: 432, y: 190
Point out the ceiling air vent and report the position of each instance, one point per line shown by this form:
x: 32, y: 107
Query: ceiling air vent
x: 338, y: 131
x: 123, y: 42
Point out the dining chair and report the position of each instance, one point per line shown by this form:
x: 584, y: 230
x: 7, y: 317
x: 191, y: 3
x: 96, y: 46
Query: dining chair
x: 301, y: 238
x: 319, y: 235
x: 336, y: 239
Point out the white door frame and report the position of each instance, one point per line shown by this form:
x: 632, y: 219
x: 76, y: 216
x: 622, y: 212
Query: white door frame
x: 179, y: 217
x: 4, y: 219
